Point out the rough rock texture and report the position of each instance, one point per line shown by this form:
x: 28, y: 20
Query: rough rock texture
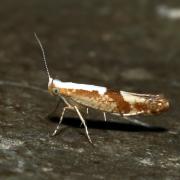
x: 125, y: 45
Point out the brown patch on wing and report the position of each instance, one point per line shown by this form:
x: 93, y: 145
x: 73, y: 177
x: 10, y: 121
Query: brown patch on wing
x: 122, y: 105
x: 141, y: 107
x: 92, y: 99
x: 64, y: 91
x: 79, y: 92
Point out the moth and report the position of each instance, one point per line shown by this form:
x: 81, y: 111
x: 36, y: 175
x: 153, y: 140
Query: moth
x: 120, y: 103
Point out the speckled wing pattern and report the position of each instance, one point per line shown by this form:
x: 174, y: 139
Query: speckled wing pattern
x: 118, y: 103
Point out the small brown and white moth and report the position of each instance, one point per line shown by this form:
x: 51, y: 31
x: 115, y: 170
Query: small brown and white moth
x: 120, y: 103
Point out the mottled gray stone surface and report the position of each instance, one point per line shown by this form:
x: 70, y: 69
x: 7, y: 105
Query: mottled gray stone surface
x: 124, y: 45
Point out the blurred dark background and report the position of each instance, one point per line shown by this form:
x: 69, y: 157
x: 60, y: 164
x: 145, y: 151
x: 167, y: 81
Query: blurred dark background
x: 125, y: 45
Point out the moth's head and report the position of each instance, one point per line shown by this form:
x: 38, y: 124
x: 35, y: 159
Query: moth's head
x: 53, y: 87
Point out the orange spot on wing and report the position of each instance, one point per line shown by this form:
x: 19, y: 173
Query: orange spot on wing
x: 79, y: 92
x: 141, y: 107
x: 122, y: 105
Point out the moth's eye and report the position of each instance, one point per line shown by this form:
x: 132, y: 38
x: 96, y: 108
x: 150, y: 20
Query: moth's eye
x: 55, y: 91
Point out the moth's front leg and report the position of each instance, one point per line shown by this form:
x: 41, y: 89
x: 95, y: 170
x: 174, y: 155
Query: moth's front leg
x: 61, y: 118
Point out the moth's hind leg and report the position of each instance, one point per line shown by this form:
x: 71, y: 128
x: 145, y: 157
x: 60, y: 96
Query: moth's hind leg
x: 105, y: 118
x: 61, y: 118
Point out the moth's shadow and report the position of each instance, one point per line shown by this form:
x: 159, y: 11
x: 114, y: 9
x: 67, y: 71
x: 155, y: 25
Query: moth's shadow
x: 109, y: 125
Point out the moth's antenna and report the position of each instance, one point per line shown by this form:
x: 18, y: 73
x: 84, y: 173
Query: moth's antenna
x: 43, y: 53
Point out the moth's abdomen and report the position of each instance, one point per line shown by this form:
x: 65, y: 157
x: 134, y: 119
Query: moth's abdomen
x: 157, y: 104
x: 145, y: 103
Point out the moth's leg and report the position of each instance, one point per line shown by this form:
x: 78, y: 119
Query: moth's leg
x: 135, y: 121
x: 66, y: 102
x: 87, y: 111
x: 83, y: 122
x: 61, y: 118
x: 104, y: 114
